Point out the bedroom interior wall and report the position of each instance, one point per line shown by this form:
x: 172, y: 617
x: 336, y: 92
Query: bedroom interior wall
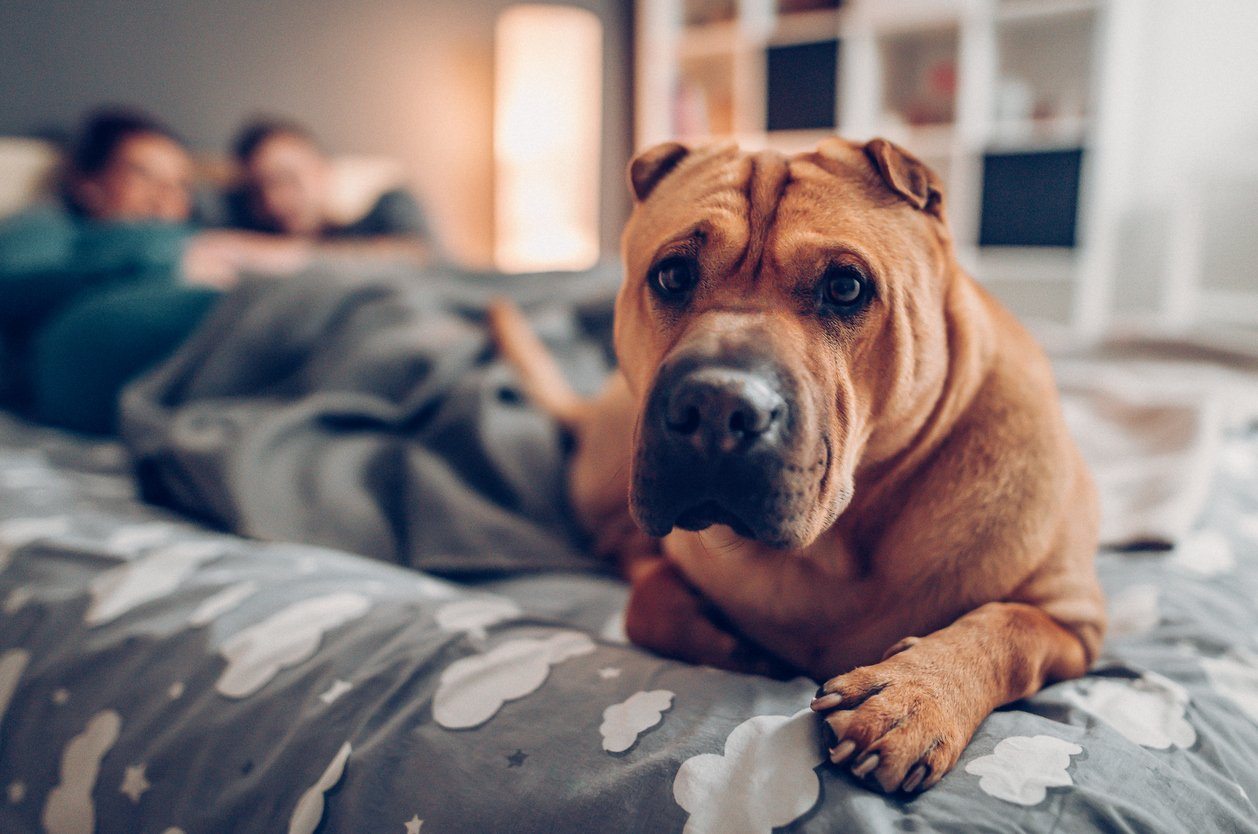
x: 1197, y: 122
x: 408, y: 78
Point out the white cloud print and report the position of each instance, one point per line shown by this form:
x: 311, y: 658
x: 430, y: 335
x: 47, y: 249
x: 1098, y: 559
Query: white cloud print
x: 1205, y: 552
x: 475, y: 615
x: 1235, y: 675
x: 132, y: 539
x: 473, y: 689
x: 1148, y: 711
x: 69, y: 808
x: 1133, y: 611
x: 18, y: 532
x: 624, y: 722
x: 309, y: 810
x: 12, y: 665
x: 216, y: 605
x: 121, y: 589
x: 1021, y: 769
x: 258, y: 653
x: 764, y: 780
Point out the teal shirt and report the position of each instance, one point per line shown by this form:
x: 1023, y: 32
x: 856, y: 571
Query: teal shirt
x: 49, y: 256
x: 85, y: 306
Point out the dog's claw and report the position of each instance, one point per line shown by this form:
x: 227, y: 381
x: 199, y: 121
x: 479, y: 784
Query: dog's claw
x: 915, y: 778
x: 866, y: 765
x: 825, y: 702
x: 841, y: 752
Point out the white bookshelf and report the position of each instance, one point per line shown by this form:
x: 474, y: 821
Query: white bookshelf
x: 952, y: 81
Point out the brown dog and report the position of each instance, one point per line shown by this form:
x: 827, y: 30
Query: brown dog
x: 843, y: 455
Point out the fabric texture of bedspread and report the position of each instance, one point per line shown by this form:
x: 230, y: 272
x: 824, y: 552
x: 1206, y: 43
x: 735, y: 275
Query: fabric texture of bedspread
x: 158, y: 676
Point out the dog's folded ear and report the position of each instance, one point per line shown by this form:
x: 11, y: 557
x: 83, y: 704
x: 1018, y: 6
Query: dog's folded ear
x: 906, y: 175
x: 652, y: 165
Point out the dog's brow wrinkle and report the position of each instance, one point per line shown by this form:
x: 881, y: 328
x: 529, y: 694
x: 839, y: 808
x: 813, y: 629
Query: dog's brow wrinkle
x: 767, y: 179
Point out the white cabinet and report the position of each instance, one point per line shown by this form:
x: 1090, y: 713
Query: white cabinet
x: 1024, y: 107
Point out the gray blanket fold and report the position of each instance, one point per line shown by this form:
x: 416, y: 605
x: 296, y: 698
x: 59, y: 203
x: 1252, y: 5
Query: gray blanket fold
x: 358, y: 415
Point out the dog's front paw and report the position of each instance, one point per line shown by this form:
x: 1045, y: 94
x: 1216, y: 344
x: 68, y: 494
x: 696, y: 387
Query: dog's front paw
x: 899, y: 723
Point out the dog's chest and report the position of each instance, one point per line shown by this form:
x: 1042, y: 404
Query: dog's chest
x: 798, y: 606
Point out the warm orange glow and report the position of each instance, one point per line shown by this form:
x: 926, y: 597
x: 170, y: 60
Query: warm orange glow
x: 547, y: 125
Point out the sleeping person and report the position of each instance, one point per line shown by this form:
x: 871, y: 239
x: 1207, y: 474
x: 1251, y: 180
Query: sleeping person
x: 285, y: 195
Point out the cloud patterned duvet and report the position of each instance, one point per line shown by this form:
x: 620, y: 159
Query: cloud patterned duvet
x: 156, y: 676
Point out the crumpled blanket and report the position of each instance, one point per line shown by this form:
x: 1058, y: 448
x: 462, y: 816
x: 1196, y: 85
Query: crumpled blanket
x: 1151, y: 417
x: 372, y: 415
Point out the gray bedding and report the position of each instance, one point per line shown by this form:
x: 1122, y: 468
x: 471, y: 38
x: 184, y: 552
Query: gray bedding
x: 370, y: 415
x: 157, y: 675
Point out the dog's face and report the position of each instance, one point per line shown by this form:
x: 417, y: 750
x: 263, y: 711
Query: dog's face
x: 781, y: 325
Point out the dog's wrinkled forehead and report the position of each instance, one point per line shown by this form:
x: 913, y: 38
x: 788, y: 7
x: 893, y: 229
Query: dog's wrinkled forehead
x: 740, y: 208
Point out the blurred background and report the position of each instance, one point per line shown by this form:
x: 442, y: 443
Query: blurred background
x: 1101, y: 156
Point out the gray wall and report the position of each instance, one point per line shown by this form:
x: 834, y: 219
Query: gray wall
x: 409, y: 78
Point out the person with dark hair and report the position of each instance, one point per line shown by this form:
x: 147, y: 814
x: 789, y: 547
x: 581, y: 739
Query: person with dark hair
x: 128, y: 166
x: 286, y: 191
x: 98, y: 288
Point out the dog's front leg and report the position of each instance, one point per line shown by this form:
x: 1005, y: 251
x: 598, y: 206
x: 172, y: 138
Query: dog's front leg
x: 667, y: 615
x: 905, y: 721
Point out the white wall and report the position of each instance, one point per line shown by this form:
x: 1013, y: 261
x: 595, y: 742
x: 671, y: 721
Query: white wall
x: 1196, y: 119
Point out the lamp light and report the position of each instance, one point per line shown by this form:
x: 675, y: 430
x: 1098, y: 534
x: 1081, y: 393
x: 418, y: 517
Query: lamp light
x: 547, y: 127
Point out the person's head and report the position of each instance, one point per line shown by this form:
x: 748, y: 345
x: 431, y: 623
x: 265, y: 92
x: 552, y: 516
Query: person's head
x: 128, y: 166
x: 287, y: 176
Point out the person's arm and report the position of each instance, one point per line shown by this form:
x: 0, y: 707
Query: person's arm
x: 218, y: 257
x: 394, y: 230
x: 382, y: 247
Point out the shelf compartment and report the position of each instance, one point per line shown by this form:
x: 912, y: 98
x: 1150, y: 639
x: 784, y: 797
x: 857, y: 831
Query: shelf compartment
x: 1040, y: 134
x: 919, y: 72
x: 703, y: 99
x: 805, y: 26
x: 1045, y: 72
x: 1038, y: 10
x: 704, y: 12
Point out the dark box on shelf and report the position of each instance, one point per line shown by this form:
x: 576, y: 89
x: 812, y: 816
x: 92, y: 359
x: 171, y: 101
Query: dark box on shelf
x: 801, y: 86
x: 1030, y: 198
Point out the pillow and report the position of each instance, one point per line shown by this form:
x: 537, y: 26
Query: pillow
x: 27, y: 173
x: 359, y: 181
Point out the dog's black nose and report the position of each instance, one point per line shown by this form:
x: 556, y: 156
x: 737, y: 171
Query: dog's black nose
x: 723, y: 409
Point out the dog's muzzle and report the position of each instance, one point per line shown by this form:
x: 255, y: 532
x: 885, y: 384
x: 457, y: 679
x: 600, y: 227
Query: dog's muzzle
x: 719, y: 444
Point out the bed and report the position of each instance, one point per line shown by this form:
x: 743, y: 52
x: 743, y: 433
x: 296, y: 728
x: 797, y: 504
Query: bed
x: 238, y: 671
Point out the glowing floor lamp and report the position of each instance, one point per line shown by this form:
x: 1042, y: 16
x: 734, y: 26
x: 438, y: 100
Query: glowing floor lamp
x: 548, y: 81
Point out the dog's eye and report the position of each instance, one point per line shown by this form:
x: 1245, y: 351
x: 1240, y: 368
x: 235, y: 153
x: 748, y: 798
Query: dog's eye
x: 844, y: 288
x: 672, y: 278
